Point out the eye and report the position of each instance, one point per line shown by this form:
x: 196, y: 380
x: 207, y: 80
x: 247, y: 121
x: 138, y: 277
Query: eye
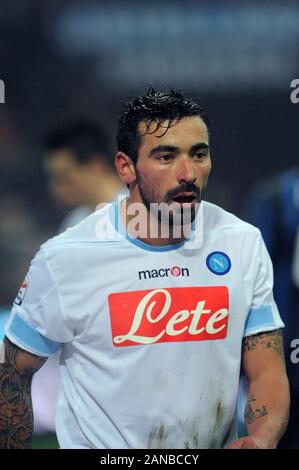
x: 200, y: 155
x: 166, y: 158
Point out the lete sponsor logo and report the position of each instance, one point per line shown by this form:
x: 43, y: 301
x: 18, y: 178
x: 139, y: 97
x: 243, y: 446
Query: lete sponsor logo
x: 168, y: 315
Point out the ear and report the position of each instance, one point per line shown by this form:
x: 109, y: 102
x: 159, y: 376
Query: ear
x: 125, y: 168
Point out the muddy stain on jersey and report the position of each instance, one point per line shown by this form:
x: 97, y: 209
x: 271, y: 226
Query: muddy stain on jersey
x: 215, y: 439
x: 157, y: 437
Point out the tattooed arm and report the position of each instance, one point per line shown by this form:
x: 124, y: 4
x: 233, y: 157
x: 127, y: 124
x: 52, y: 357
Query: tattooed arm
x: 16, y: 416
x: 267, y: 409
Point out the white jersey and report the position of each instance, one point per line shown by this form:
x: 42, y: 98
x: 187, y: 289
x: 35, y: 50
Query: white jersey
x: 150, y: 337
x: 74, y: 217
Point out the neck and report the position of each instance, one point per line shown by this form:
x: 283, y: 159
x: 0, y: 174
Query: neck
x: 146, y: 227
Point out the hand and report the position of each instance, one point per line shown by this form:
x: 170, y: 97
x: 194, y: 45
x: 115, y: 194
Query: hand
x: 251, y: 442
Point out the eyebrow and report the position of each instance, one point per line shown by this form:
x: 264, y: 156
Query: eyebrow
x: 176, y: 150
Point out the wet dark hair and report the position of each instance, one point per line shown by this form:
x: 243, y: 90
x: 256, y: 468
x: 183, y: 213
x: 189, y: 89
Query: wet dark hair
x: 84, y: 139
x: 154, y: 106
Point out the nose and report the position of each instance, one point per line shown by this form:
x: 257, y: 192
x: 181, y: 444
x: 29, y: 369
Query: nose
x: 186, y: 171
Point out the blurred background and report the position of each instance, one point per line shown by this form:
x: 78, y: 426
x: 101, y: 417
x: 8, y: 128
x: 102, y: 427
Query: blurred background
x: 63, y: 61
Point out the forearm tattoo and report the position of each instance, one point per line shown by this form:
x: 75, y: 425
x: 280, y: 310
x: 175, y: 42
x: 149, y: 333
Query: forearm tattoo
x: 268, y: 340
x: 251, y: 414
x: 16, y: 416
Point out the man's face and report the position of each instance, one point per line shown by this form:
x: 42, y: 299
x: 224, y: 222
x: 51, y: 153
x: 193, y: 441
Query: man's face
x: 67, y: 178
x: 173, y: 167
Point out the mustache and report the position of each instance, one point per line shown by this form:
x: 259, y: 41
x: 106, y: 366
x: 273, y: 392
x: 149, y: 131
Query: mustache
x: 184, y: 188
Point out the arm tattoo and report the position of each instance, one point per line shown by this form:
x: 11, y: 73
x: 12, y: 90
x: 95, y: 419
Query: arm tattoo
x: 252, y: 415
x: 268, y: 340
x: 16, y: 416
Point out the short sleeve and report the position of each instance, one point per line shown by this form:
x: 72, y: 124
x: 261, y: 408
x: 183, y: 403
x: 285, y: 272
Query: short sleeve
x: 263, y: 314
x: 36, y: 322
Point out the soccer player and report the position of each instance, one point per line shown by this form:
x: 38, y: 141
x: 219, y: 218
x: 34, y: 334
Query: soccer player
x: 155, y: 301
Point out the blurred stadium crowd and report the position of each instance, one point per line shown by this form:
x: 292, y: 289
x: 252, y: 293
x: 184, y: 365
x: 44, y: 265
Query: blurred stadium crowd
x: 74, y: 62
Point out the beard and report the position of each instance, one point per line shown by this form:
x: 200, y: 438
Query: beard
x: 166, y: 210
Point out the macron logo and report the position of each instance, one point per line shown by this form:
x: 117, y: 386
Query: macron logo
x: 175, y: 271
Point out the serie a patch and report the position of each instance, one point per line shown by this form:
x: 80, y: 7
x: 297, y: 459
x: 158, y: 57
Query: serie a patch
x: 22, y: 292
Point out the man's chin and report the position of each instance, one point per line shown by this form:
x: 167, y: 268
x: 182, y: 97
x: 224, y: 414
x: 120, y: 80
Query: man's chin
x: 181, y: 214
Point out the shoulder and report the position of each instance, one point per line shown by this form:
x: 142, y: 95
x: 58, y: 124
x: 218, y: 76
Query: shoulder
x: 218, y: 221
x: 98, y: 228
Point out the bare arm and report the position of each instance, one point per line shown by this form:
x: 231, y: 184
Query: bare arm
x: 267, y: 409
x: 16, y: 416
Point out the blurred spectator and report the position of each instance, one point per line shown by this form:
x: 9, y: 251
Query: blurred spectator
x: 80, y: 173
x: 273, y: 206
